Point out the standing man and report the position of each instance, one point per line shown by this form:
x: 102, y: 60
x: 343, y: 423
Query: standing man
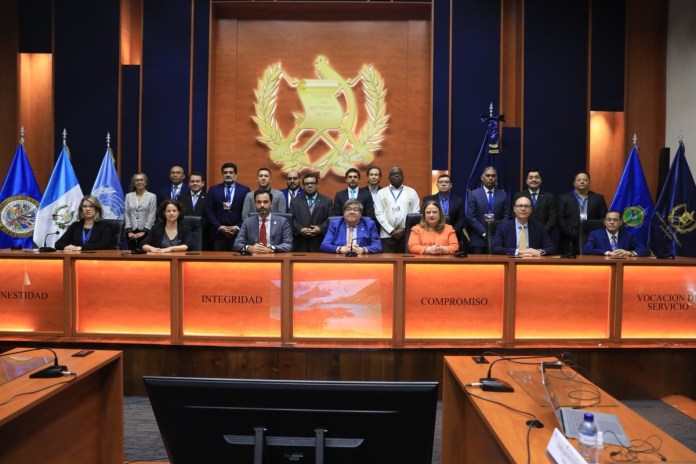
x: 263, y: 178
x: 543, y: 202
x: 223, y: 208
x: 485, y: 204
x: 524, y: 237
x: 193, y: 199
x: 292, y: 179
x: 176, y: 186
x: 353, y: 192
x: 614, y: 241
x: 578, y: 205
x: 452, y: 206
x: 393, y: 204
x: 374, y: 177
x: 264, y: 233
x: 310, y: 216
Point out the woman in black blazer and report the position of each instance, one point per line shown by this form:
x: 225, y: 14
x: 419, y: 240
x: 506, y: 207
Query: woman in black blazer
x: 89, y: 233
x: 170, y: 234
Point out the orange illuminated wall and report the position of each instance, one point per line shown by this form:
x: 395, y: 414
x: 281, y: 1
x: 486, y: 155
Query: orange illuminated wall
x: 454, y: 301
x: 238, y: 299
x: 608, y: 152
x: 659, y: 302
x: 563, y: 301
x: 343, y: 300
x: 123, y: 297
x: 31, y: 295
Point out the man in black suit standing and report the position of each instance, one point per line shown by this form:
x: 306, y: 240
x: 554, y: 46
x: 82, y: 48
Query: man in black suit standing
x: 292, y: 179
x: 193, y: 202
x: 575, y: 206
x: 452, y: 205
x: 354, y: 192
x: 310, y: 216
x: 177, y: 185
x: 374, y: 176
x: 485, y: 204
x: 223, y: 208
x: 543, y: 202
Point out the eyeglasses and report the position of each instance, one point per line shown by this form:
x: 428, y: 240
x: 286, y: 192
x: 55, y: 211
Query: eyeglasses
x: 523, y: 206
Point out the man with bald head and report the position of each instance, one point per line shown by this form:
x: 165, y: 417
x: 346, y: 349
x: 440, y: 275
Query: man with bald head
x: 393, y: 204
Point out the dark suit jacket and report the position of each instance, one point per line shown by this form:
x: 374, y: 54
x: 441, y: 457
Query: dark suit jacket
x: 455, y: 212
x: 166, y: 192
x: 367, y: 236
x: 598, y: 243
x: 189, y: 210
x: 214, y: 209
x: 302, y: 217
x: 101, y: 238
x: 505, y: 238
x: 286, y: 194
x: 364, y: 197
x: 545, y: 209
x: 569, y: 218
x: 184, y: 235
x: 281, y: 233
x: 477, y: 207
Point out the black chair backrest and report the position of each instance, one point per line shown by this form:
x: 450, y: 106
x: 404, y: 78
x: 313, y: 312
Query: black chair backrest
x: 491, y: 227
x: 587, y: 226
x: 411, y: 220
x: 194, y: 223
x: 117, y: 226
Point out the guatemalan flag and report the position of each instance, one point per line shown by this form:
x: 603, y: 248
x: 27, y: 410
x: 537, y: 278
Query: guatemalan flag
x: 60, y: 204
x: 19, y: 202
x: 107, y: 189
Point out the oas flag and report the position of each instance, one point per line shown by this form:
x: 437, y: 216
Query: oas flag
x: 19, y: 202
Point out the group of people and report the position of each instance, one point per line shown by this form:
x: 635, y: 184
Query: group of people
x: 358, y: 220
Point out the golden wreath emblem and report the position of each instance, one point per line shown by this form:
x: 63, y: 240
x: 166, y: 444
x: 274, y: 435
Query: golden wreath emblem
x: 325, y: 116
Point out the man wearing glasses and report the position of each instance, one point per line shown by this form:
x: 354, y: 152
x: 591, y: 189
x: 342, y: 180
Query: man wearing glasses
x: 310, y: 216
x: 522, y: 237
x: 352, y: 233
x: 614, y: 241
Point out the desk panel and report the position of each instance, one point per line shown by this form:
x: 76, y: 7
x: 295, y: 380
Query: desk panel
x: 123, y: 297
x: 454, y: 301
x: 238, y: 299
x: 31, y: 295
x: 343, y: 300
x: 659, y: 302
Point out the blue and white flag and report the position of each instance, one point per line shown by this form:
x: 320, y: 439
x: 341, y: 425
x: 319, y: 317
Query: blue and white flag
x: 60, y: 203
x: 673, y: 225
x: 632, y: 199
x: 489, y: 153
x: 19, y: 202
x: 107, y: 189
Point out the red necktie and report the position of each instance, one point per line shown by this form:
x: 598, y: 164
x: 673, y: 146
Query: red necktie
x: 262, y: 232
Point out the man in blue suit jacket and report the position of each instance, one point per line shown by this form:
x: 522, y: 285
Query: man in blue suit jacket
x: 365, y: 233
x: 485, y: 204
x: 523, y: 237
x: 600, y: 241
x: 223, y: 208
x: 278, y: 231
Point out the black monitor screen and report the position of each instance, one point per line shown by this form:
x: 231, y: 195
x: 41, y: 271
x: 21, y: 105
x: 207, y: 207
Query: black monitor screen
x: 205, y: 420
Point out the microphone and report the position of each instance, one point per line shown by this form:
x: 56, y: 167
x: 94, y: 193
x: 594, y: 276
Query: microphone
x: 46, y: 249
x: 55, y: 370
x: 352, y: 253
x: 489, y: 383
x: 571, y: 252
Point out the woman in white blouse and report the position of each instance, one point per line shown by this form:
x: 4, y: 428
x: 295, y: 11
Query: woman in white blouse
x: 141, y: 209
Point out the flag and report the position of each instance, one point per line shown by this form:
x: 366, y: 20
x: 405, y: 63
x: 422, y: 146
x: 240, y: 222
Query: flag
x: 60, y: 203
x: 632, y: 199
x: 673, y: 225
x: 489, y: 153
x: 19, y: 201
x: 107, y: 189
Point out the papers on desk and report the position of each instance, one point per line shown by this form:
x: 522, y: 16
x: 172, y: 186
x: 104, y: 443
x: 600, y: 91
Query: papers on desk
x: 560, y: 451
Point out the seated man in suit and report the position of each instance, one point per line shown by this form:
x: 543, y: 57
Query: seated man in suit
x: 353, y: 228
x: 523, y: 237
x: 264, y: 233
x: 613, y: 241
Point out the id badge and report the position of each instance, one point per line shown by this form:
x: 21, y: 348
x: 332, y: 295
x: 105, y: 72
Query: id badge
x: 226, y: 206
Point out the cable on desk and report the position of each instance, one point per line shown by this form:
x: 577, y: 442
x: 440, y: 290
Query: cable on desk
x: 35, y: 391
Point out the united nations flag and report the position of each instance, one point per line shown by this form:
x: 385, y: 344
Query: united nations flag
x: 673, y: 225
x: 19, y: 201
x: 107, y: 189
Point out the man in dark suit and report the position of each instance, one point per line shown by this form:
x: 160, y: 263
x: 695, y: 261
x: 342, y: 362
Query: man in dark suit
x: 574, y: 206
x: 176, y: 187
x: 485, y: 204
x: 223, y: 208
x: 451, y: 205
x: 354, y: 192
x: 374, y: 177
x: 543, y: 202
x: 523, y: 236
x: 352, y: 233
x: 193, y: 203
x: 264, y: 233
x: 292, y: 179
x: 613, y: 241
x: 310, y: 216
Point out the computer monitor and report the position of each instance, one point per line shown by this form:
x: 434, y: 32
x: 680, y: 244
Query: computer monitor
x: 214, y: 420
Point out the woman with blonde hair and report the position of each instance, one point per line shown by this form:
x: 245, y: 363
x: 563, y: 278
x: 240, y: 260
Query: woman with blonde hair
x: 432, y: 236
x: 89, y: 233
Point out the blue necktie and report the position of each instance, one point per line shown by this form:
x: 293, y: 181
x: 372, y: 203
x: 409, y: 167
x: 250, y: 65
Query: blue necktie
x: 490, y: 200
x: 613, y: 242
x: 534, y: 198
x: 228, y: 196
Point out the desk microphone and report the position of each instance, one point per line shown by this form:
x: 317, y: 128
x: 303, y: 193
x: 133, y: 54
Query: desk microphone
x: 47, y: 249
x: 351, y: 253
x: 55, y: 370
x: 489, y: 383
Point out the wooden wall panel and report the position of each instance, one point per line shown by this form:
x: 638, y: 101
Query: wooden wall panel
x: 9, y: 130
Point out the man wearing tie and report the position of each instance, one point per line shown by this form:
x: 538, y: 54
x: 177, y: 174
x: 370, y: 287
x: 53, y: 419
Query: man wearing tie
x: 354, y: 192
x: 193, y: 200
x: 485, y: 204
x: 352, y: 233
x: 223, y: 208
x: 310, y: 216
x: 613, y: 241
x: 543, y: 202
x: 264, y: 233
x: 523, y: 237
x: 292, y: 179
x: 177, y: 186
x: 452, y: 206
